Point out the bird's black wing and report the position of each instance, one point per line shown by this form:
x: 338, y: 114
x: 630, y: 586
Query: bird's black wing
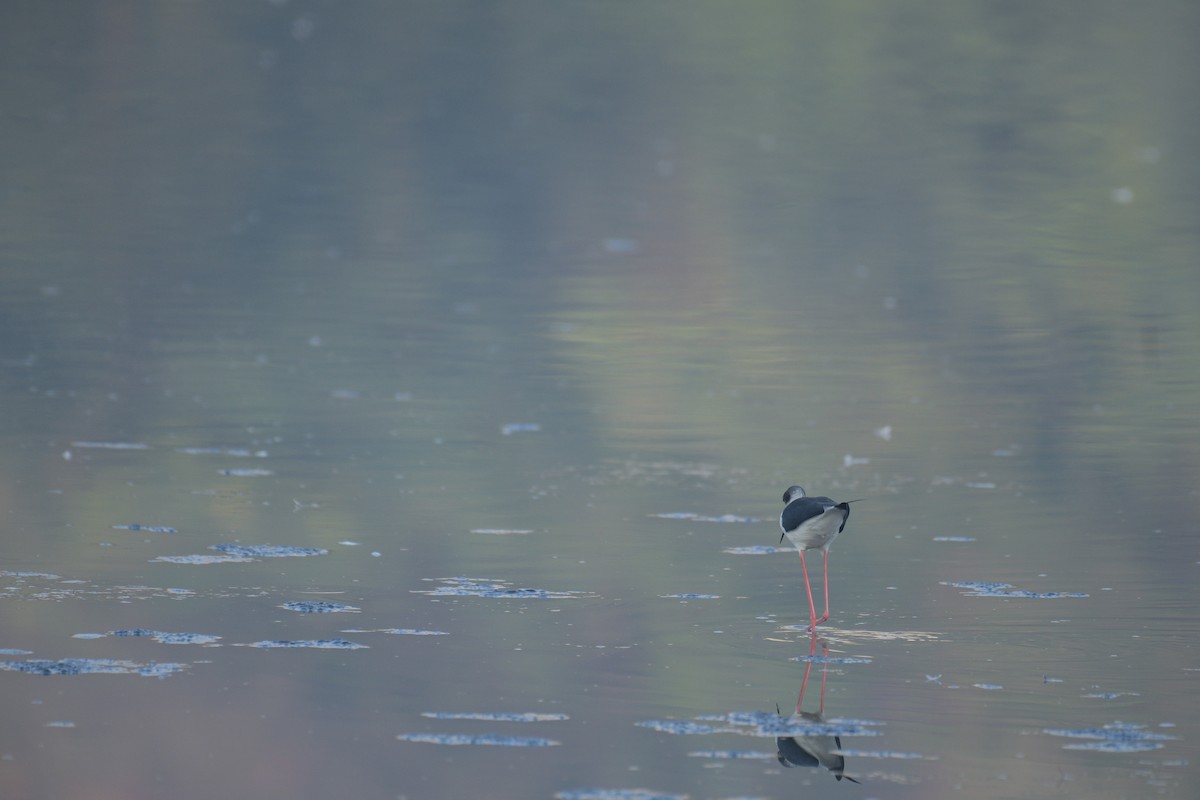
x: 801, y: 511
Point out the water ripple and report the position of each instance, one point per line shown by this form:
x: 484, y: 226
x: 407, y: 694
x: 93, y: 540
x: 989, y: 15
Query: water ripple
x: 319, y: 644
x: 830, y: 660
x: 678, y: 726
x: 111, y: 445
x: 200, y: 558
x: 235, y: 452
x: 691, y: 517
x: 268, y: 550
x: 491, y: 739
x: 896, y: 754
x: 166, y: 637
x: 489, y: 716
x: 761, y: 723
x: 986, y: 589
x: 1116, y: 737
x: 399, y: 631
x: 491, y: 588
x: 133, y: 526
x: 616, y: 794
x: 319, y: 607
x: 757, y: 550
x: 90, y: 666
x: 735, y: 755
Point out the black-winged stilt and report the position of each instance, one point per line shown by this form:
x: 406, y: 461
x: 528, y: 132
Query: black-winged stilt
x: 812, y: 523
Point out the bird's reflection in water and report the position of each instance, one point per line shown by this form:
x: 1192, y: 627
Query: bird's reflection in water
x: 818, y: 749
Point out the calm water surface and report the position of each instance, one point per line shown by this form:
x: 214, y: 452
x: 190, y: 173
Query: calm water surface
x: 398, y: 401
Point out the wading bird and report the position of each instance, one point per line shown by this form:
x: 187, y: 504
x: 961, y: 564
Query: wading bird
x: 812, y: 523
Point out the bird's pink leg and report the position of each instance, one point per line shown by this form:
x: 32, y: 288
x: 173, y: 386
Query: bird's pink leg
x: 812, y: 607
x: 812, y: 649
x: 824, y: 672
x: 825, y: 616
